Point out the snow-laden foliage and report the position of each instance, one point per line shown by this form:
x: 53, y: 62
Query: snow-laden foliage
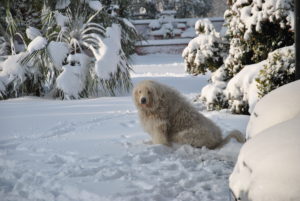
x: 72, y: 80
x: 260, y: 58
x: 206, y: 51
x: 256, y: 28
x: 241, y: 93
x: 67, y: 49
x: 279, y: 70
x: 195, y: 8
x: 17, y: 79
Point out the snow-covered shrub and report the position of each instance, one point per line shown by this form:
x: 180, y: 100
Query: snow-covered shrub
x: 241, y: 93
x: 279, y: 70
x: 195, y: 8
x: 67, y: 51
x: 256, y: 28
x: 212, y: 95
x: 164, y: 27
x: 72, y: 81
x: 17, y: 79
x: 206, y: 51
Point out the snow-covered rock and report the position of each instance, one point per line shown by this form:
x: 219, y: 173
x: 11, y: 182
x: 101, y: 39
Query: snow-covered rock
x: 278, y: 106
x: 268, y: 164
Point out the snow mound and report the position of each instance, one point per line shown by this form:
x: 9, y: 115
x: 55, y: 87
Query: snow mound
x: 278, y: 106
x: 268, y: 164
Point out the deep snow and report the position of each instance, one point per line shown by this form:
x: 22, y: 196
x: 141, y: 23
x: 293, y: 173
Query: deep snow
x: 268, y: 164
x: 95, y: 149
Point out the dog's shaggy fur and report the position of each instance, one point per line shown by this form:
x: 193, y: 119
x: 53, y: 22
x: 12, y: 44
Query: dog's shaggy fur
x: 169, y: 118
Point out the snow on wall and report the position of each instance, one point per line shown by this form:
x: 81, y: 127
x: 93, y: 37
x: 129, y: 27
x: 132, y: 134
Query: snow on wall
x: 144, y: 27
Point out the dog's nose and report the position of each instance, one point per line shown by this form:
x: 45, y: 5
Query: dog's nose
x: 143, y: 100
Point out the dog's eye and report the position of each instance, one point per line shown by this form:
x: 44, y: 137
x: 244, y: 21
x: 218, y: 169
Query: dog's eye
x: 149, y: 92
x: 140, y: 91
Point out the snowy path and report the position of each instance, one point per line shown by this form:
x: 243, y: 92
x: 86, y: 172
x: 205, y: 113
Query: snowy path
x: 95, y: 149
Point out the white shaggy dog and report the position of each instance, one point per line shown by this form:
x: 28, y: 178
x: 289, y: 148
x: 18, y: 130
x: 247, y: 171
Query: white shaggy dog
x: 169, y: 118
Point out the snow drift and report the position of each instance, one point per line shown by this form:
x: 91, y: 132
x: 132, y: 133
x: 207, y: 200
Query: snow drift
x: 268, y: 164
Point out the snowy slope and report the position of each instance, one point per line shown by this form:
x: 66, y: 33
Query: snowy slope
x: 95, y: 149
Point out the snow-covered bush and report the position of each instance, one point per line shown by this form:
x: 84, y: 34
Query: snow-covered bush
x: 212, y: 95
x: 241, y: 93
x: 195, y: 8
x: 78, y: 51
x: 254, y: 29
x: 279, y: 70
x: 165, y: 26
x: 17, y: 80
x: 205, y: 52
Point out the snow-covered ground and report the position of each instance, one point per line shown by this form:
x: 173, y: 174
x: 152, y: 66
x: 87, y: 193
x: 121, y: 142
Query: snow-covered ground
x: 95, y: 149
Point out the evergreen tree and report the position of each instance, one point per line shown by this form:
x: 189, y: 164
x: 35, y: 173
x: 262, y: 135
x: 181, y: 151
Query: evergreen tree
x: 255, y: 28
x: 195, y: 8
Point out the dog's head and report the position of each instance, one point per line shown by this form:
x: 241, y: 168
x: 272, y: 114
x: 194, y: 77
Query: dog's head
x: 145, y: 95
